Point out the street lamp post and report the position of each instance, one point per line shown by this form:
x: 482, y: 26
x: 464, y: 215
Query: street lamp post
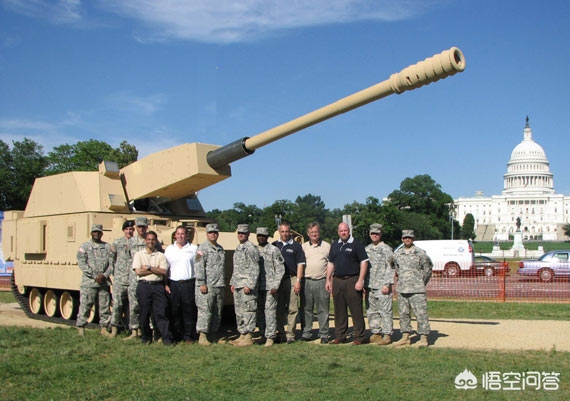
x: 452, y: 213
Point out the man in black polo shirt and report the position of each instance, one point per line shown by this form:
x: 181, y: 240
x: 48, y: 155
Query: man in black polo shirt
x: 348, y: 263
x: 289, y: 294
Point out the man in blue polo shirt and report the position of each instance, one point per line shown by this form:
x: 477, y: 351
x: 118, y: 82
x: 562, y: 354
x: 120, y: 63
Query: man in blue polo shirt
x: 348, y: 264
x: 289, y: 294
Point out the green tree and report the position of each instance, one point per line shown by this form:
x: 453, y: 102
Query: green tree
x: 364, y: 214
x: 421, y: 224
x: 125, y: 154
x: 391, y: 224
x: 87, y: 155
x: 566, y: 229
x: 5, y: 175
x: 468, y: 227
x: 24, y: 163
x: 280, y: 210
x: 239, y: 214
x: 423, y: 196
x: 226, y: 219
x: 307, y: 209
x: 330, y: 227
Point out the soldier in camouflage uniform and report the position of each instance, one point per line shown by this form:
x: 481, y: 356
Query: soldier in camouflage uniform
x: 137, y: 243
x: 122, y: 271
x: 378, y: 284
x: 243, y: 285
x: 211, y: 281
x: 271, y: 270
x: 413, y: 267
x: 95, y: 259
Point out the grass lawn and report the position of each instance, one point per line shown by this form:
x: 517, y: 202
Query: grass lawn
x: 487, y: 246
x: 6, y: 297
x: 56, y: 364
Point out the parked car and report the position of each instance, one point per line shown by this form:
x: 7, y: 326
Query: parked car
x: 551, y: 264
x: 489, y: 266
x: 449, y: 257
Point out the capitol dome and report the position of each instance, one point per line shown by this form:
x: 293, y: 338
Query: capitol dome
x: 528, y: 169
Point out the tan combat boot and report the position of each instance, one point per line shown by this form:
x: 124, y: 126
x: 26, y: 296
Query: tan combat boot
x: 113, y: 332
x: 81, y: 331
x: 105, y: 332
x: 423, y: 341
x: 134, y: 335
x: 203, y: 340
x: 386, y: 339
x: 269, y: 342
x: 404, y: 341
x: 246, y: 342
x: 375, y: 338
x: 237, y: 340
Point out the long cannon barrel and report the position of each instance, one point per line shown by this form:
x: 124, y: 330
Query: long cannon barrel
x: 432, y: 69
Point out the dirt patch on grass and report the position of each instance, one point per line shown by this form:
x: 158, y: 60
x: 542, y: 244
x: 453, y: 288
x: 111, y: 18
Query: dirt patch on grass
x: 513, y: 335
x: 475, y: 334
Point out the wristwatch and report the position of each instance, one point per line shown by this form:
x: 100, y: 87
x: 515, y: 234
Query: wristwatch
x: 149, y: 267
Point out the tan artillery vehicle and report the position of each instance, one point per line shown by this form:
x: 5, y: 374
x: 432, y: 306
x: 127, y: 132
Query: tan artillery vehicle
x: 43, y: 239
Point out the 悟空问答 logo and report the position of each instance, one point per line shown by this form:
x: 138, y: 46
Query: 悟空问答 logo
x: 466, y: 380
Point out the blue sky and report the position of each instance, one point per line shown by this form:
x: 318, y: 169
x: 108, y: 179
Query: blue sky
x: 159, y: 74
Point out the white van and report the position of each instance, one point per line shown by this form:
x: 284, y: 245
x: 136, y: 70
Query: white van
x: 449, y: 257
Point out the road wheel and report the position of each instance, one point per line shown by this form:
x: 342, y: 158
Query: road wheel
x: 546, y: 275
x: 36, y: 301
x: 489, y: 271
x: 51, y: 303
x: 452, y: 270
x: 68, y: 305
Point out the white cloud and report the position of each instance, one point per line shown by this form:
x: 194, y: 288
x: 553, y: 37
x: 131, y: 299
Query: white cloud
x: 124, y: 101
x: 231, y: 21
x: 221, y: 21
x: 60, y: 11
x: 44, y: 133
x: 26, y: 124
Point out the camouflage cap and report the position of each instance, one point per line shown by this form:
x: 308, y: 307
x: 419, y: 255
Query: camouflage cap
x: 243, y: 228
x: 128, y: 223
x: 262, y: 231
x: 408, y: 233
x: 212, y: 227
x: 375, y: 228
x: 97, y: 227
x: 141, y: 221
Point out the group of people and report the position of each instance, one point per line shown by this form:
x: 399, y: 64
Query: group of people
x: 180, y: 291
x: 157, y: 285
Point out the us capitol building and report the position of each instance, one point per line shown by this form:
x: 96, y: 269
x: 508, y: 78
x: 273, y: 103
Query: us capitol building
x: 528, y: 200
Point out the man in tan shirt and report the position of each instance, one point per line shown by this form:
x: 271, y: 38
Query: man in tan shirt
x: 315, y: 294
x: 151, y: 268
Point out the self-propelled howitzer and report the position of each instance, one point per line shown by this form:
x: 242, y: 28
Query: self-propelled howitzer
x: 42, y: 240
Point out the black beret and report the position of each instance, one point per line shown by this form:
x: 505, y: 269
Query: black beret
x: 128, y: 223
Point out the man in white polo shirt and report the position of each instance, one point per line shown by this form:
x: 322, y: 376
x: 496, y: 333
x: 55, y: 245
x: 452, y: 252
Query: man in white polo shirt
x: 182, y: 286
